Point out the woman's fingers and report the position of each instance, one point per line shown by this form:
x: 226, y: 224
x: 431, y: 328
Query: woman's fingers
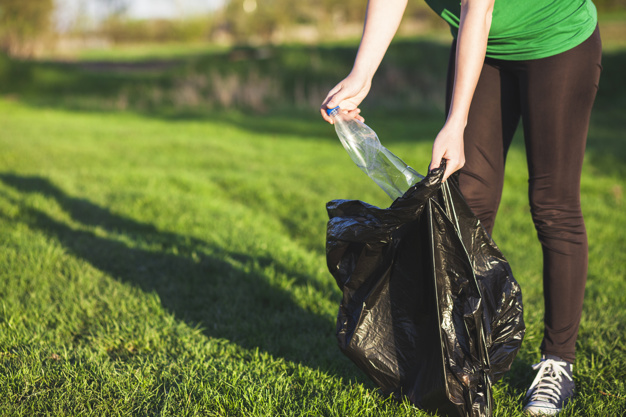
x: 355, y: 113
x: 448, y: 146
x: 325, y: 115
x: 328, y: 103
x: 451, y: 168
x: 435, y: 162
x: 348, y: 94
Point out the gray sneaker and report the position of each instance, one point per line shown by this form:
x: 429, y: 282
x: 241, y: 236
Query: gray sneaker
x: 552, y: 388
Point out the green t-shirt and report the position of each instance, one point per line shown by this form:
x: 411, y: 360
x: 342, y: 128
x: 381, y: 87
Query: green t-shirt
x: 529, y: 29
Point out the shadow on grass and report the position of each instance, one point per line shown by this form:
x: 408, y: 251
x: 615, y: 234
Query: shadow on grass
x: 225, y: 293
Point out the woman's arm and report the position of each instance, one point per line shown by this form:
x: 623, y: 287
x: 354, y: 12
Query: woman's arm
x: 381, y: 23
x: 470, y: 56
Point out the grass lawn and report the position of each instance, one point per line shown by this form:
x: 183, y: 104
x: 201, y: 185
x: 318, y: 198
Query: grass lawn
x: 175, y: 266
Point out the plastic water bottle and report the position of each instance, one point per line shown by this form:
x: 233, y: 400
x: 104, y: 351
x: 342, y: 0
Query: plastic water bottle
x: 379, y: 163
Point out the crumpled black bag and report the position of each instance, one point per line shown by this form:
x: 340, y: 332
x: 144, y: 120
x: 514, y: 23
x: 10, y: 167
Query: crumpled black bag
x: 430, y: 310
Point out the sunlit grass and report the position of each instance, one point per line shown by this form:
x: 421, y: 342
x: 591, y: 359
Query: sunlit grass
x: 160, y: 267
x: 159, y: 258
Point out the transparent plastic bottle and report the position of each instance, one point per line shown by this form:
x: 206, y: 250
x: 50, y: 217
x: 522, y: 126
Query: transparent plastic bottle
x: 387, y: 170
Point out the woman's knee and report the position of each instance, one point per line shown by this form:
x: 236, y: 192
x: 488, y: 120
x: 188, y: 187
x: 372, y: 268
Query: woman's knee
x: 558, y: 219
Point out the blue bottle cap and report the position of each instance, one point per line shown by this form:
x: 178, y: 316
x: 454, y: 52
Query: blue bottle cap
x: 330, y: 111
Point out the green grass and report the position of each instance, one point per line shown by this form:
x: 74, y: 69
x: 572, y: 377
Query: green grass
x: 139, y: 52
x: 170, y: 261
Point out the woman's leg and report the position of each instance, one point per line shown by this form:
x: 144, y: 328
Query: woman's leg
x: 556, y: 100
x: 493, y: 119
x: 557, y: 96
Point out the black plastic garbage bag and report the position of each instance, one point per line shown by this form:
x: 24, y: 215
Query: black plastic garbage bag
x: 430, y: 310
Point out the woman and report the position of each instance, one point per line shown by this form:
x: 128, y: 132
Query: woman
x: 538, y: 60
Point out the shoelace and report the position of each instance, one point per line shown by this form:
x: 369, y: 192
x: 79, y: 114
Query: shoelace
x: 547, y: 384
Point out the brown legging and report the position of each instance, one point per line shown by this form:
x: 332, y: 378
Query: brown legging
x: 553, y: 96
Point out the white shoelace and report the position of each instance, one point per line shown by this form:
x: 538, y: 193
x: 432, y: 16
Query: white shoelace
x: 547, y: 384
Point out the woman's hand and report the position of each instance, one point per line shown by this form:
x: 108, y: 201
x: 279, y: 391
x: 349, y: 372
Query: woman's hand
x: 348, y: 94
x: 382, y: 19
x: 448, y: 145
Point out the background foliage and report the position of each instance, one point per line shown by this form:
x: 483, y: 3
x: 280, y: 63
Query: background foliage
x: 28, y: 27
x: 24, y: 24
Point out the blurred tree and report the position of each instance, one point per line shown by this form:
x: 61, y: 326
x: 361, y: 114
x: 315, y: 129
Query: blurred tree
x: 24, y: 25
x: 247, y: 20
